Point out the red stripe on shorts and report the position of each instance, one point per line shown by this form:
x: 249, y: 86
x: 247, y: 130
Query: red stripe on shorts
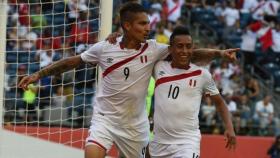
x: 98, y: 144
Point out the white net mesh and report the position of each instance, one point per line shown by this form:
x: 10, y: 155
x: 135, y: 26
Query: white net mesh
x: 57, y: 108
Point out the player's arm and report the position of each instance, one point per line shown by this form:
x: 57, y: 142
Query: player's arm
x: 224, y: 113
x: 204, y: 56
x: 53, y: 69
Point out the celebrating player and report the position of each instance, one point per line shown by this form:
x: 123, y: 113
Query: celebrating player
x: 180, y: 86
x: 119, y: 115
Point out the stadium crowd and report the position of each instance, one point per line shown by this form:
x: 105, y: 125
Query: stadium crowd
x: 38, y: 35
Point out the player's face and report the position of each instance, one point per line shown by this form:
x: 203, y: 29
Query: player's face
x: 139, y: 28
x: 181, y: 50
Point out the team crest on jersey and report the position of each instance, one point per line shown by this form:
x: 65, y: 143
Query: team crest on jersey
x: 144, y: 59
x: 192, y: 83
x: 109, y: 60
x: 161, y: 73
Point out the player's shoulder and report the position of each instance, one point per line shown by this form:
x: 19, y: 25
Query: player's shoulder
x: 204, y: 70
x: 162, y: 63
x: 99, y: 45
x: 153, y: 43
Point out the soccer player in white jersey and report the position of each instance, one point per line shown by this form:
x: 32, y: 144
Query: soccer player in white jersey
x: 180, y: 86
x: 119, y: 113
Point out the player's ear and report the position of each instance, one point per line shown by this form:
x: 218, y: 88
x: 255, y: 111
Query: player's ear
x: 127, y: 25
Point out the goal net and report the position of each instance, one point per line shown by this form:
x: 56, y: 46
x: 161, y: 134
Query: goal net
x: 57, y: 108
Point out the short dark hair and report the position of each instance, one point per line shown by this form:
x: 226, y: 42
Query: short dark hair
x: 128, y: 9
x: 179, y: 30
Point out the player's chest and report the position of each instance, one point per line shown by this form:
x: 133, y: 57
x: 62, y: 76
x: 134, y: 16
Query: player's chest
x: 177, y: 87
x: 128, y: 63
x: 128, y: 57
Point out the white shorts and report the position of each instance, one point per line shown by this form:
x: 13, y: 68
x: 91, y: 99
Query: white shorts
x: 158, y: 150
x: 131, y: 143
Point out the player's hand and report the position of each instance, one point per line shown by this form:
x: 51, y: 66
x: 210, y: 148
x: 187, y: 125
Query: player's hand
x: 230, y: 139
x: 25, y: 81
x: 229, y: 54
x: 112, y: 38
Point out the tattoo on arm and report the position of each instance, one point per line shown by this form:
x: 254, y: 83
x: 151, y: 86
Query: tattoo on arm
x: 204, y: 56
x: 61, y: 66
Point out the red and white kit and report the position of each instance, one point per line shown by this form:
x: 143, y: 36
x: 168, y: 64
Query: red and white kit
x: 119, y: 107
x: 178, y: 97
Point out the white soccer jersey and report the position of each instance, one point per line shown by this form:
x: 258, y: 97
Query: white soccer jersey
x: 178, y: 96
x: 126, y: 73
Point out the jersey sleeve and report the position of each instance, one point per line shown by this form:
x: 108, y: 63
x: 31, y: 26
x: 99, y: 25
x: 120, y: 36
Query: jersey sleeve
x: 156, y: 69
x: 162, y: 50
x: 210, y: 86
x: 92, y: 54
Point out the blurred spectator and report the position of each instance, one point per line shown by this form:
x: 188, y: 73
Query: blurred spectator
x: 258, y: 11
x: 174, y: 9
x: 45, y: 56
x: 208, y: 111
x: 208, y: 4
x: 276, y: 39
x: 81, y: 32
x: 29, y: 40
x: 219, y: 9
x: 222, y: 76
x: 169, y: 29
x: 274, y: 150
x: 248, y: 45
x: 248, y: 6
x: 154, y: 15
x: 271, y: 8
x: 232, y: 107
x: 12, y: 39
x: 59, y: 98
x: 74, y: 7
x: 38, y: 20
x: 231, y: 19
x: 160, y: 36
x: 47, y: 38
x: 23, y: 10
x: 264, y: 114
x: 252, y: 88
x: 245, y: 114
x: 263, y: 30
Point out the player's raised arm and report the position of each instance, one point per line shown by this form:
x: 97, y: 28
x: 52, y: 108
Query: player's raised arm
x: 224, y: 113
x: 205, y: 56
x: 53, y: 69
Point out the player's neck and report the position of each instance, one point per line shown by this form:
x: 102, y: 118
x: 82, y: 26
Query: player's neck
x: 186, y: 67
x: 130, y: 43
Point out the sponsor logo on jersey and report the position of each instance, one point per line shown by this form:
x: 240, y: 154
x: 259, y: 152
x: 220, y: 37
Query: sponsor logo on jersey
x: 109, y: 60
x: 161, y: 73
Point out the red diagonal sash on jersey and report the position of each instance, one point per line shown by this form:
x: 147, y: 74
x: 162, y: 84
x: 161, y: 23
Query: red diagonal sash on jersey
x: 173, y: 9
x: 119, y: 64
x: 258, y: 6
x: 153, y: 22
x: 177, y: 77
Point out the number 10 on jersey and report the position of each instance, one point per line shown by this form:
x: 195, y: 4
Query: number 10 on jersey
x: 173, y: 92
